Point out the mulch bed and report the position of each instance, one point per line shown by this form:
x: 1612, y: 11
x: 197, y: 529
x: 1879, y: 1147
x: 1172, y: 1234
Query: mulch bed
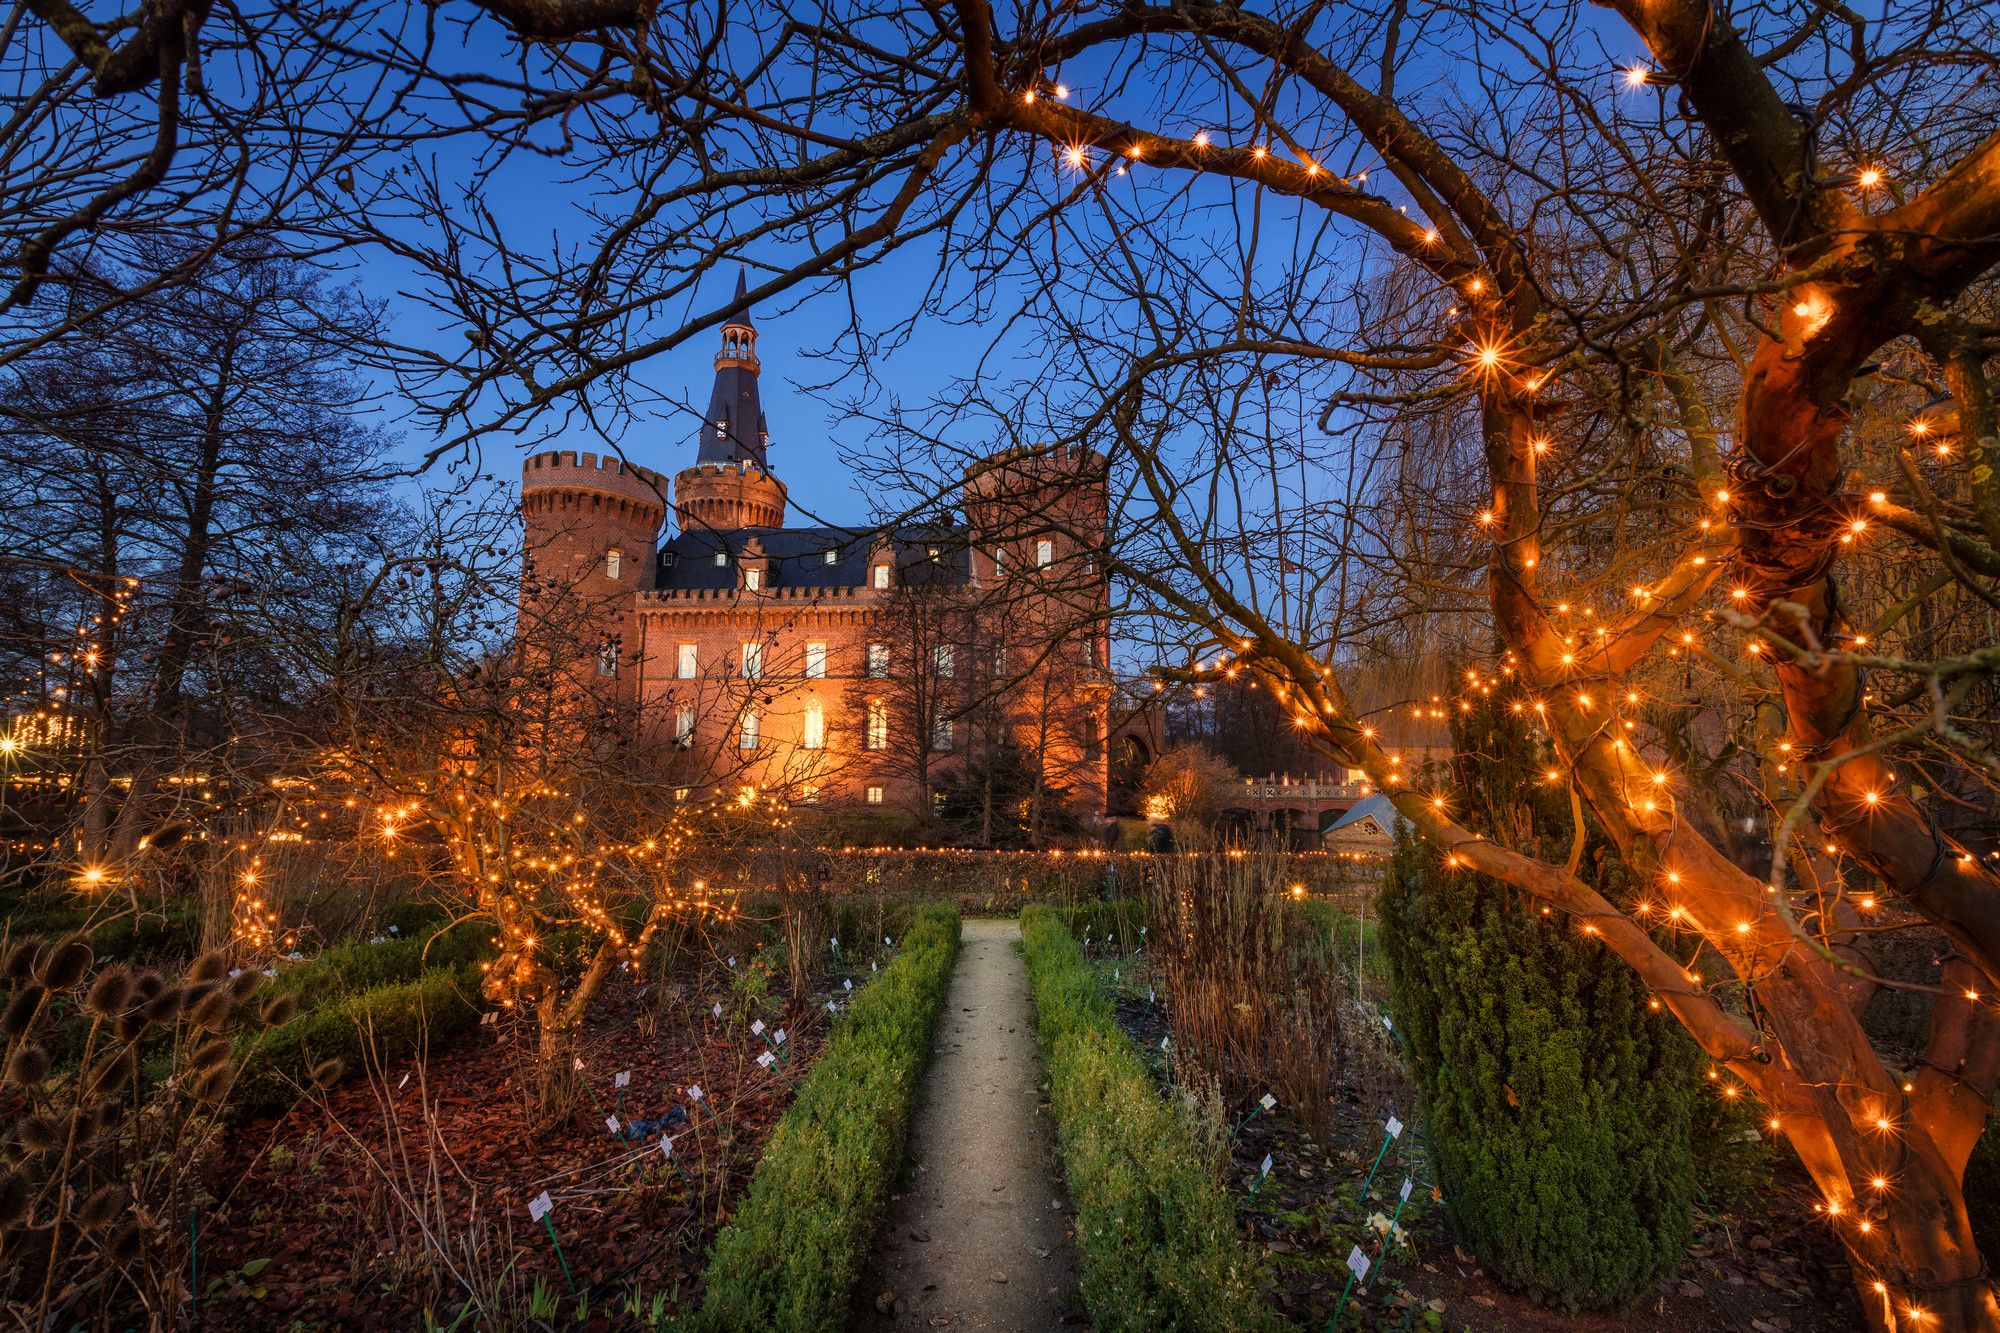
x: 1766, y: 1270
x: 338, y: 1196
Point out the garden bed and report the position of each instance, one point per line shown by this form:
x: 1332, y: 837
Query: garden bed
x: 403, y: 1194
x: 1761, y: 1265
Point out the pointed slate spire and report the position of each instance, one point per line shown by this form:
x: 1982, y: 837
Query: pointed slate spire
x: 734, y: 430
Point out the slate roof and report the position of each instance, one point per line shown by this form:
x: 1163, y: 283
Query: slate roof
x: 1379, y: 807
x: 734, y: 430
x: 797, y: 556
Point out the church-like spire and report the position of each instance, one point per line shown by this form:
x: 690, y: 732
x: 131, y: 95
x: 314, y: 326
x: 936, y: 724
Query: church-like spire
x: 734, y: 430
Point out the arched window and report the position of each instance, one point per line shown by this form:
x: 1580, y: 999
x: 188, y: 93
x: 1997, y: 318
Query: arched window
x: 614, y: 561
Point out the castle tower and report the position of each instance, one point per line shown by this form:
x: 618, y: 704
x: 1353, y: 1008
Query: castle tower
x: 1037, y: 519
x: 593, y: 534
x: 730, y: 485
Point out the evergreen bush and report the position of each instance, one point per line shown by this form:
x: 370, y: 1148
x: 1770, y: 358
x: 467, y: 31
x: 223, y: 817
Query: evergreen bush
x: 1558, y: 1107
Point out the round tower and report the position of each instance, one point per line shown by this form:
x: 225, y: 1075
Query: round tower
x: 730, y: 485
x: 592, y: 541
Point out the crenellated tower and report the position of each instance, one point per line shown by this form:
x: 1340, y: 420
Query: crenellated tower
x: 730, y: 485
x: 593, y: 533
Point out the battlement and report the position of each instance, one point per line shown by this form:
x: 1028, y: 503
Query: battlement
x: 1027, y: 466
x: 798, y: 593
x: 742, y: 467
x: 565, y: 469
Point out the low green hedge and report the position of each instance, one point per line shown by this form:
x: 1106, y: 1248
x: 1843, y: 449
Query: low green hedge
x: 789, y: 1258
x: 396, y: 1019
x: 340, y: 971
x: 1155, y: 1230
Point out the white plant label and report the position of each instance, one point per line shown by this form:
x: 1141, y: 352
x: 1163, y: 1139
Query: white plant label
x: 732, y: 960
x: 576, y: 1064
x: 694, y: 1092
x: 873, y: 968
x: 611, y: 1123
x: 1268, y: 1102
x: 1166, y: 1043
x: 1408, y: 1185
x: 832, y: 1008
x: 766, y: 1059
x: 1264, y: 1169
x: 1357, y: 1262
x: 404, y: 1083
x: 847, y: 985
x: 623, y: 1080
x: 1387, y: 1024
x: 666, y: 1145
x: 540, y: 1206
x: 757, y: 1028
x: 836, y: 941
x: 717, y: 1009
x: 778, y: 1037
x: 888, y: 943
x: 1395, y: 1128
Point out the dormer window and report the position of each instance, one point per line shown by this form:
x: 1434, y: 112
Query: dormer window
x: 722, y: 559
x: 753, y: 580
x: 614, y: 560
x: 932, y: 552
x: 881, y: 579
x: 832, y: 556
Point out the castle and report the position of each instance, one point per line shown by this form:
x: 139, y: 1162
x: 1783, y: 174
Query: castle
x: 858, y: 669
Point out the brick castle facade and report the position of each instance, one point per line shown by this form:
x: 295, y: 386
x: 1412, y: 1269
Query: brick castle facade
x: 848, y: 668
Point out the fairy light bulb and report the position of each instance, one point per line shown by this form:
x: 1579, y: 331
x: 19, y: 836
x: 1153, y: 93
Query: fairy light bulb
x: 1636, y: 76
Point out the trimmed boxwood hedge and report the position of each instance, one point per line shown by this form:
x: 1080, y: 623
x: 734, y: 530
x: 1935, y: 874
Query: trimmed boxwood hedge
x: 790, y: 1257
x: 1156, y: 1232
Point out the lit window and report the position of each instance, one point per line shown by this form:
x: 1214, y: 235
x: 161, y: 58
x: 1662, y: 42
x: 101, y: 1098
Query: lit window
x: 747, y: 740
x: 881, y: 576
x: 753, y: 660
x: 941, y: 732
x: 874, y: 796
x: 931, y: 552
x: 832, y: 556
x: 816, y: 661
x: 753, y: 579
x: 941, y: 661
x: 1000, y: 659
x: 814, y: 737
x: 878, y: 725
x: 684, y: 725
x: 878, y: 660
x: 722, y: 559
x: 999, y: 562
x: 809, y: 795
x: 607, y: 658
x: 684, y: 664
x: 1045, y: 553
x: 614, y: 560
x: 722, y: 429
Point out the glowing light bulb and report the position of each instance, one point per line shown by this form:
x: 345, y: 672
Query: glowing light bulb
x: 1868, y: 178
x: 1636, y: 75
x: 1201, y: 139
x: 1074, y: 155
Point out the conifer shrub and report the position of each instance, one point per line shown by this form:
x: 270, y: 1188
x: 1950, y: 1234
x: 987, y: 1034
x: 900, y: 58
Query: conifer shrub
x: 1154, y: 1228
x: 1557, y: 1106
x: 789, y: 1258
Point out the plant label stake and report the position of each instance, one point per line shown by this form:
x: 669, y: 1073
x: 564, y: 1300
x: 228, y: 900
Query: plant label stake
x: 778, y: 1045
x: 1149, y: 1002
x: 848, y: 986
x: 667, y: 1147
x: 539, y: 1209
x: 1401, y: 1200
x: 715, y: 1010
x: 621, y: 1081
x: 1263, y: 1170
x: 1357, y: 1271
x: 695, y: 1095
x: 1395, y: 1130
x: 838, y: 957
x: 1265, y: 1103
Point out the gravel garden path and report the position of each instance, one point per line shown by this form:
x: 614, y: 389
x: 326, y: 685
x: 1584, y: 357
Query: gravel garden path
x: 980, y: 1236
